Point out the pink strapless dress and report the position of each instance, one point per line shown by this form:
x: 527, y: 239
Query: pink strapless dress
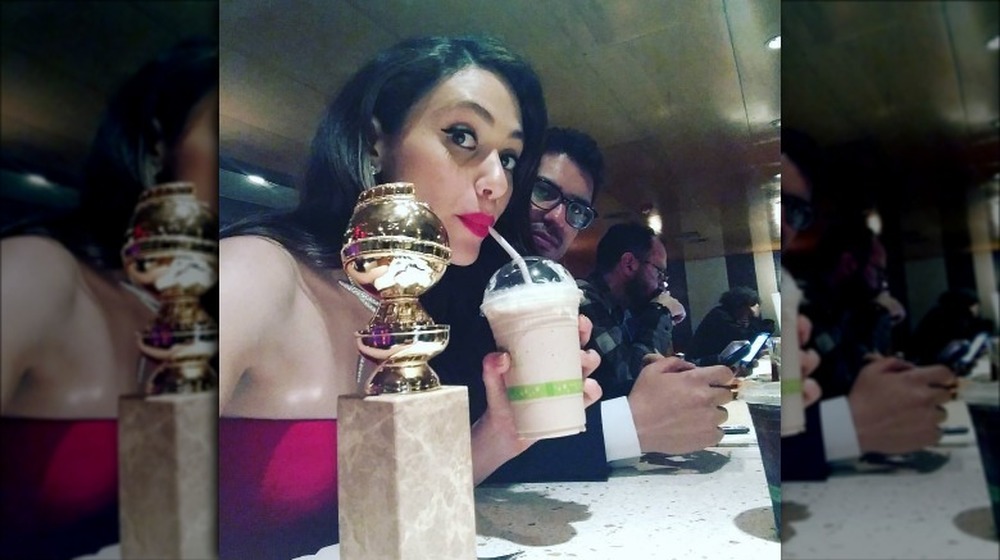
x: 277, y: 487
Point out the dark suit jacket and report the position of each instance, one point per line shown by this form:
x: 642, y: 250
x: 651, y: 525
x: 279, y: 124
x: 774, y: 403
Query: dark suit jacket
x: 802, y: 455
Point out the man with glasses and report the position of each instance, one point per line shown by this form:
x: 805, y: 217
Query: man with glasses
x: 673, y: 405
x: 648, y: 411
x: 570, y: 174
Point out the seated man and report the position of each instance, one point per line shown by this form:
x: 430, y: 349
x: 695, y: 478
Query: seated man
x: 670, y: 406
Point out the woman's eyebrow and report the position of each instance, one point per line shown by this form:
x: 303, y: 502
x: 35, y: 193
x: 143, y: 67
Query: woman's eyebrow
x: 484, y: 113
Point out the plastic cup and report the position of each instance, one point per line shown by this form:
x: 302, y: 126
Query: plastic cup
x: 764, y: 402
x: 537, y: 324
x: 983, y: 400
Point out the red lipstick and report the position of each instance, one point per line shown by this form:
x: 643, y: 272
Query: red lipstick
x: 478, y: 223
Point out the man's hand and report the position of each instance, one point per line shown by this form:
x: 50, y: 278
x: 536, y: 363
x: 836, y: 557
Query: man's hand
x: 677, y: 408
x: 896, y: 407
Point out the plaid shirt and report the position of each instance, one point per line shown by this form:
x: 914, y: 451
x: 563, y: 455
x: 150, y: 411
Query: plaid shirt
x: 622, y: 337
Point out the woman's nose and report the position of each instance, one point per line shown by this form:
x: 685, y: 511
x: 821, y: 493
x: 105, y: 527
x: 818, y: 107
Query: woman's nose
x: 492, y: 179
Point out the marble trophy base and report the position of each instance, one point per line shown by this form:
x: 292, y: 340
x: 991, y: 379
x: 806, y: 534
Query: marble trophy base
x: 168, y: 468
x: 404, y: 476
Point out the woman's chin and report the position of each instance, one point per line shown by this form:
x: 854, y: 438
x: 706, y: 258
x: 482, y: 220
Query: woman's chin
x: 464, y: 256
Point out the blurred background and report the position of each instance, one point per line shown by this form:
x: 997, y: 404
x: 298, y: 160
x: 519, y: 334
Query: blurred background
x: 685, y: 98
x: 61, y: 62
x: 903, y: 97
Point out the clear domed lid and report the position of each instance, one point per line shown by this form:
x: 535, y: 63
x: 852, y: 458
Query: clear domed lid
x: 540, y: 271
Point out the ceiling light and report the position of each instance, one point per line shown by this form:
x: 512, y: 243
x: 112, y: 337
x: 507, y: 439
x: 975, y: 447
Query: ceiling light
x: 874, y: 222
x: 774, y: 43
x: 776, y: 123
x: 36, y: 179
x: 994, y: 43
x: 258, y: 180
x: 655, y: 223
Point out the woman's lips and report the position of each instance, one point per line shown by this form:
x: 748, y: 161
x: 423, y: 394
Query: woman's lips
x: 478, y: 223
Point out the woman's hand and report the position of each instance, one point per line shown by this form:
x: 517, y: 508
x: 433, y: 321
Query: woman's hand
x: 808, y: 362
x: 494, y: 436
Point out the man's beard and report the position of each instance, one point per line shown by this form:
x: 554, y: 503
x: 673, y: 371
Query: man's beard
x: 637, y: 295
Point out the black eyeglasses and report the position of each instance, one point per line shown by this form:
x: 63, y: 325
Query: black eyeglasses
x: 661, y: 273
x: 798, y: 211
x: 546, y: 196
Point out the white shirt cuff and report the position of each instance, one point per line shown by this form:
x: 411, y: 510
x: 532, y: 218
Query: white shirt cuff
x: 621, y: 440
x: 840, y: 438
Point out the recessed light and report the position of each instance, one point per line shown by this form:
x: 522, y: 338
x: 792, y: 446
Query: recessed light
x: 655, y: 223
x: 774, y: 43
x: 258, y: 180
x: 994, y: 43
x: 36, y: 179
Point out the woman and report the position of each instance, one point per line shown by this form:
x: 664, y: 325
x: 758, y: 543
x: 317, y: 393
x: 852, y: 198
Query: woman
x: 462, y: 119
x: 70, y: 319
x: 737, y: 317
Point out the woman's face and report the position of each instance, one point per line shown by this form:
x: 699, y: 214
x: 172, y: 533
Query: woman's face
x: 194, y: 158
x: 459, y: 145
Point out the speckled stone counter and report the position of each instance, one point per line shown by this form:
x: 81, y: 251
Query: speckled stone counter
x: 705, y: 505
x: 708, y: 505
x: 932, y: 504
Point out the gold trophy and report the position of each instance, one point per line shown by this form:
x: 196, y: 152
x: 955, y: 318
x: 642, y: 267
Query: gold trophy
x: 171, y: 252
x: 395, y: 248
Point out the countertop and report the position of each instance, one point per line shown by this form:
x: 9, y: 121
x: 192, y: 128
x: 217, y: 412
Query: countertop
x: 932, y: 504
x: 705, y: 505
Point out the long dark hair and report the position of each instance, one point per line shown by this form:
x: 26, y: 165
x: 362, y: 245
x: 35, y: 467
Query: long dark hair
x: 386, y: 89
x: 151, y: 106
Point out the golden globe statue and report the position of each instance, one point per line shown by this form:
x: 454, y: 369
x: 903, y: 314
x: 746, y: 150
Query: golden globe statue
x: 172, y: 252
x: 395, y: 248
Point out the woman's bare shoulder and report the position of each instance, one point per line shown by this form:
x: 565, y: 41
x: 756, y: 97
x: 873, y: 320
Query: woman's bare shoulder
x: 34, y: 264
x: 257, y: 271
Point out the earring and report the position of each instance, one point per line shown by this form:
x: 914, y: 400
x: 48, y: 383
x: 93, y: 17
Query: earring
x: 374, y: 168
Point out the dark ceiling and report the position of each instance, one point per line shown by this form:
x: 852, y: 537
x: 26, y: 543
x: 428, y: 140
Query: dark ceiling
x: 904, y: 95
x: 680, y: 94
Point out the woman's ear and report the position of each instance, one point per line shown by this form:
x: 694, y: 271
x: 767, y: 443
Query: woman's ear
x: 377, y: 146
x: 154, y: 158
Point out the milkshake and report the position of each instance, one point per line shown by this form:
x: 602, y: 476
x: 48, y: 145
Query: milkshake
x: 537, y: 324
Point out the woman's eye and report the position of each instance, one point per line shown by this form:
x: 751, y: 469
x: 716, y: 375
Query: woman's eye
x: 462, y: 137
x: 508, y: 161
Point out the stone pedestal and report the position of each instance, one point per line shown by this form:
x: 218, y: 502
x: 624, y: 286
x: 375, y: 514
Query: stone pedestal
x: 168, y: 468
x: 405, y: 476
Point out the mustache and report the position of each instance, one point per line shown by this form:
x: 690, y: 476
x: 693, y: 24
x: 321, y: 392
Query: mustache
x: 541, y: 227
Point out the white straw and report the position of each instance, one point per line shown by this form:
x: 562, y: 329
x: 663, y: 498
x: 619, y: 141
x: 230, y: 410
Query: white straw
x: 518, y: 259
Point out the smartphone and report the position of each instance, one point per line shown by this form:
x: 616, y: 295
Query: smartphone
x: 954, y: 430
x: 756, y: 347
x: 961, y: 355
x: 733, y: 353
x: 731, y: 430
